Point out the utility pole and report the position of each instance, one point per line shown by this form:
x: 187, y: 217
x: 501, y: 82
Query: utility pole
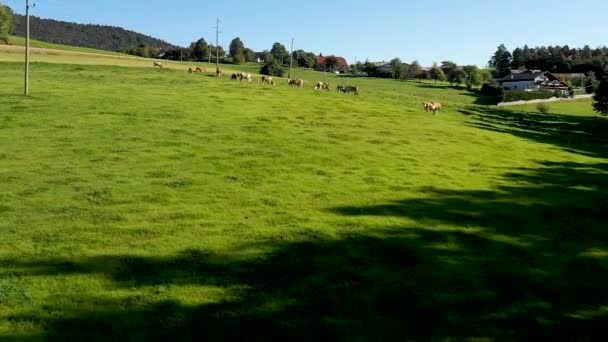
x: 290, y: 59
x: 217, y: 44
x: 26, y: 91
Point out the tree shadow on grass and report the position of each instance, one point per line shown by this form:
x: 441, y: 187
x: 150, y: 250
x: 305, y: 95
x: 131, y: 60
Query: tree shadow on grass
x: 584, y: 135
x: 521, y: 262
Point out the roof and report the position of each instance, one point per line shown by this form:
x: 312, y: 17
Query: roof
x: 563, y: 76
x: 528, y: 75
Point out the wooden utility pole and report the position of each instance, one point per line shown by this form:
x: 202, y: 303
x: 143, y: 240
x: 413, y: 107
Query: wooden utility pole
x: 217, y: 43
x: 26, y: 90
x: 290, y: 59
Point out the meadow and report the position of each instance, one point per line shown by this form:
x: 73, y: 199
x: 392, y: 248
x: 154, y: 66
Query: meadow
x: 140, y: 204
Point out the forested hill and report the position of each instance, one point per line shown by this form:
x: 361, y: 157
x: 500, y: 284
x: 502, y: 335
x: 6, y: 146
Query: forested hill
x: 86, y: 35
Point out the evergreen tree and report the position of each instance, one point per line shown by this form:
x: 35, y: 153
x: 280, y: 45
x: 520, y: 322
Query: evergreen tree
x: 600, y: 99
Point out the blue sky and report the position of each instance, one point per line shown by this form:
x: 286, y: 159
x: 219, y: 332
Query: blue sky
x: 465, y: 31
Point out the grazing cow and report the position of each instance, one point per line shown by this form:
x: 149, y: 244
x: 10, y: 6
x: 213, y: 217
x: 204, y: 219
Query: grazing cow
x: 322, y: 86
x: 190, y: 70
x: 267, y: 80
x: 158, y: 65
x: 296, y: 83
x: 218, y: 72
x: 199, y: 69
x: 435, y: 107
x: 348, y: 89
x: 246, y: 76
x: 234, y: 77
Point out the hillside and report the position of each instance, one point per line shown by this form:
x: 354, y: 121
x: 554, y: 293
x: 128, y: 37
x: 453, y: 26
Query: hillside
x: 86, y: 35
x: 20, y: 41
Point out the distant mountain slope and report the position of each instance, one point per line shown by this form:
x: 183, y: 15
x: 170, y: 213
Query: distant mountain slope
x: 86, y: 35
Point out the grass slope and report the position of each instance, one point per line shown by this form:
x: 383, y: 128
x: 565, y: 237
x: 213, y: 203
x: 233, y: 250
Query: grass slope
x: 138, y: 203
x: 20, y: 41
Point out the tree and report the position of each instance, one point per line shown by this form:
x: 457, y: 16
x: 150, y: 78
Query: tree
x: 304, y: 59
x: 414, y: 70
x: 199, y: 50
x: 437, y: 74
x: 332, y: 64
x: 473, y: 76
x: 501, y: 61
x: 591, y: 83
x: 279, y: 52
x: 7, y: 23
x: 237, y: 50
x: 370, y: 68
x: 518, y: 60
x: 486, y: 75
x: 600, y: 99
x: 448, y: 67
x: 457, y: 76
x: 249, y: 55
x: 397, y: 69
x: 272, y: 68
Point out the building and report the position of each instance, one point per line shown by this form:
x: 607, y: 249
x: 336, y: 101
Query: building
x: 531, y: 80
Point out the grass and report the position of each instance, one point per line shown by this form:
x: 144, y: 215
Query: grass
x: 142, y: 204
x: 20, y: 41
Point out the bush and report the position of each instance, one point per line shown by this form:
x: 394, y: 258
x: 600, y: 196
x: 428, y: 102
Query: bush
x: 272, y: 68
x: 511, y: 96
x: 492, y: 90
x: 543, y: 107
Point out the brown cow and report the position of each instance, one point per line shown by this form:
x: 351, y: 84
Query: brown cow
x: 199, y: 69
x: 190, y: 70
x: 322, y: 86
x: 158, y: 65
x: 296, y: 83
x: 267, y: 80
x: 218, y: 72
x: 435, y: 107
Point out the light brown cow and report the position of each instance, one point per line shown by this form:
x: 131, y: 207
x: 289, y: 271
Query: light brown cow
x: 199, y: 69
x: 158, y: 65
x: 218, y: 72
x: 296, y: 83
x: 267, y: 80
x: 190, y: 70
x: 435, y: 107
x: 322, y: 86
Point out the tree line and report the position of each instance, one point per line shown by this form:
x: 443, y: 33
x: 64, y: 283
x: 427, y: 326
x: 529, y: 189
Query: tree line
x: 87, y: 35
x: 557, y: 59
x: 468, y: 75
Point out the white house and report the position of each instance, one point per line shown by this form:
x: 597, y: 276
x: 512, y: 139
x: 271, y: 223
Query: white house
x: 530, y: 80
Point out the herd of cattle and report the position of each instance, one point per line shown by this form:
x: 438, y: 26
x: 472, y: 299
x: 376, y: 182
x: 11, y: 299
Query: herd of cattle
x: 434, y: 107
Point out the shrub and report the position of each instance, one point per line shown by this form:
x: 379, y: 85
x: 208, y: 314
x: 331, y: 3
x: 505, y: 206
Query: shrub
x: 272, y: 68
x: 511, y: 96
x: 492, y: 90
x: 543, y: 107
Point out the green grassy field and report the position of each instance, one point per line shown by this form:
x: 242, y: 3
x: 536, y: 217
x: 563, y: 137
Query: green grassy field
x: 142, y: 204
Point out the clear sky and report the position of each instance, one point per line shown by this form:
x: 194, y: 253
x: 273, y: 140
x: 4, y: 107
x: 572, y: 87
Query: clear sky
x: 465, y: 31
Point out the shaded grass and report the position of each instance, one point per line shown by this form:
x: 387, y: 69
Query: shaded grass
x: 140, y: 204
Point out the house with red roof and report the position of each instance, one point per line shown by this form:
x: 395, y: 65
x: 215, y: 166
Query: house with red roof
x: 342, y: 63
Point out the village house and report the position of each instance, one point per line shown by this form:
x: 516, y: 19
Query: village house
x: 531, y: 80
